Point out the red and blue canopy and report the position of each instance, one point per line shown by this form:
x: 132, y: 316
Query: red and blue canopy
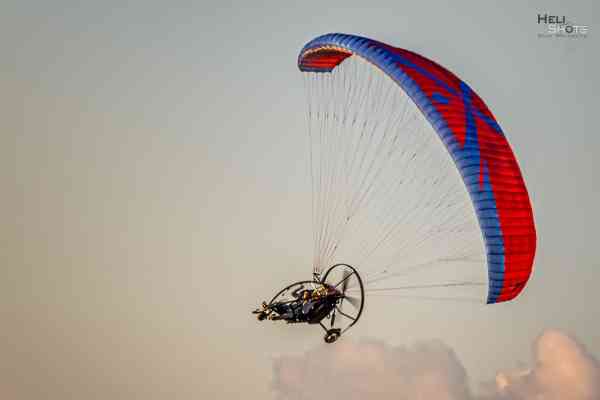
x: 471, y: 135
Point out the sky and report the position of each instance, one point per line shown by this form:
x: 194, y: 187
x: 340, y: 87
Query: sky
x: 155, y: 189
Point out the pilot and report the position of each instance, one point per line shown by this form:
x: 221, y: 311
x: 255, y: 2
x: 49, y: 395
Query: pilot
x: 310, y: 297
x: 293, y: 309
x: 306, y: 296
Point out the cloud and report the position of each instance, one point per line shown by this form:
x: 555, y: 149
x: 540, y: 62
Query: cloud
x: 358, y: 370
x: 561, y: 369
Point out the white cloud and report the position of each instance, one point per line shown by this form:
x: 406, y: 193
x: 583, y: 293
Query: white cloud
x: 358, y: 370
x: 561, y: 369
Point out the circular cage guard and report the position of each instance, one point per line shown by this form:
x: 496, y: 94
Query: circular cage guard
x: 345, y: 279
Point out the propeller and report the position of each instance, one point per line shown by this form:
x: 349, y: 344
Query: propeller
x: 353, y: 300
x: 345, y: 280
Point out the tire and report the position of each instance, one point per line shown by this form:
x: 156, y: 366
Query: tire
x: 332, y: 335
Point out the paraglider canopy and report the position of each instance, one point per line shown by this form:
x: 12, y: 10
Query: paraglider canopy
x: 457, y: 200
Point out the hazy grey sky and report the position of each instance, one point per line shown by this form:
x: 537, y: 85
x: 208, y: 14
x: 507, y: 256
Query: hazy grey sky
x: 155, y: 187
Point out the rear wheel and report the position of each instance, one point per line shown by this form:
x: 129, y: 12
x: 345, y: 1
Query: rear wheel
x: 332, y: 335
